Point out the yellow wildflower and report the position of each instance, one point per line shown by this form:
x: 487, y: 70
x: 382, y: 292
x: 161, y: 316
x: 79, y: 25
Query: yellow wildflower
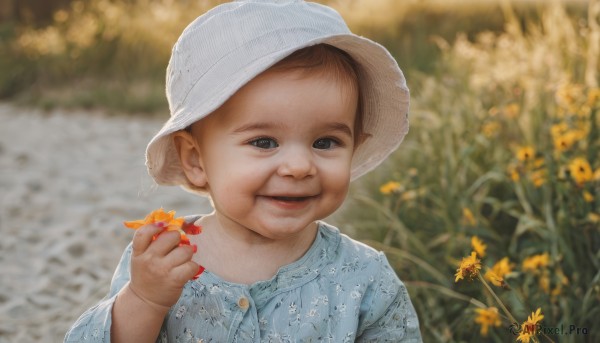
x: 390, y: 187
x: 535, y: 262
x: 593, y: 217
x: 512, y: 110
x: 469, y: 268
x: 568, y: 94
x: 487, y: 317
x: 531, y: 326
x: 496, y: 274
x: 558, y: 129
x: 580, y: 170
x: 566, y: 140
x: 538, y: 177
x: 490, y: 129
x: 525, y: 153
x: 468, y: 217
x: 587, y: 196
x: 514, y: 173
x: 494, y: 278
x: 478, y: 246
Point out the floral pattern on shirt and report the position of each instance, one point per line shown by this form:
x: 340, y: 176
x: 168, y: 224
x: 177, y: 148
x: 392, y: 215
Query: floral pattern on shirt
x: 339, y: 291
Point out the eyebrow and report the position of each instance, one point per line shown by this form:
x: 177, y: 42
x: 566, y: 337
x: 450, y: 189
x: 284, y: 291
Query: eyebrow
x: 335, y: 126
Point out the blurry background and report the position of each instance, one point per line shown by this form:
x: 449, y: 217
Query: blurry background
x: 504, y: 146
x: 112, y: 54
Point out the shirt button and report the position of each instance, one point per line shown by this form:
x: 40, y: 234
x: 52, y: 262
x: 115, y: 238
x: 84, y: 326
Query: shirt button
x: 243, y: 303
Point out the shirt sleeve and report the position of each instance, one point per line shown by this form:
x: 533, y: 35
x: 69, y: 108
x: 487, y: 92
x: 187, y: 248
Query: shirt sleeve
x: 94, y: 324
x: 390, y: 315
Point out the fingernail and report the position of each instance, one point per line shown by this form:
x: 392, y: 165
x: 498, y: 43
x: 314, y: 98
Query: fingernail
x: 195, y: 247
x: 200, y: 271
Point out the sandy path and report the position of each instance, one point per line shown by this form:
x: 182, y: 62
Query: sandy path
x: 67, y: 181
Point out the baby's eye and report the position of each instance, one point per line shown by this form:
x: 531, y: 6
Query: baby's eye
x: 325, y: 143
x: 264, y: 143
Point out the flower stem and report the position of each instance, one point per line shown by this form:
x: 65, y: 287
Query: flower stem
x: 504, y: 309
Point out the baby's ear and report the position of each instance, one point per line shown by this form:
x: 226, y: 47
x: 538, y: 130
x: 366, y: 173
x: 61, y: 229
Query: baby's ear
x: 189, y: 157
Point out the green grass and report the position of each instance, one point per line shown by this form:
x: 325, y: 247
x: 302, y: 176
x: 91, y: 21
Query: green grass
x: 97, y: 53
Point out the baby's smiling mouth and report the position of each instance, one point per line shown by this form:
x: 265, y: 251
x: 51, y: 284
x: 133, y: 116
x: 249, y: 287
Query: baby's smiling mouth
x: 284, y: 198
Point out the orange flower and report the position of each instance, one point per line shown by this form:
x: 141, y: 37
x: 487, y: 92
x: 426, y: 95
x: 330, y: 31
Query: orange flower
x: 581, y: 171
x: 536, y: 262
x: 525, y: 153
x: 498, y: 272
x: 487, y: 317
x: 469, y: 267
x: 390, y: 187
x: 478, y: 246
x: 168, y: 222
x: 531, y: 326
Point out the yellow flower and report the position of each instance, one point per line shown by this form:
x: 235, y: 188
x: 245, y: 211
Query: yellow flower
x: 390, y: 187
x: 535, y: 262
x: 593, y: 217
x: 514, y: 173
x: 566, y: 140
x: 468, y: 217
x: 538, y: 177
x: 478, y: 246
x: 558, y: 129
x: 469, y: 268
x: 587, y: 196
x: 580, y: 170
x: 487, y: 317
x: 490, y: 129
x: 525, y: 153
x: 496, y: 274
x: 568, y: 94
x: 512, y: 110
x: 494, y: 278
x: 531, y: 326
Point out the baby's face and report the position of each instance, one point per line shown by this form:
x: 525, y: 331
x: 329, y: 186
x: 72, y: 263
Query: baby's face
x: 277, y: 156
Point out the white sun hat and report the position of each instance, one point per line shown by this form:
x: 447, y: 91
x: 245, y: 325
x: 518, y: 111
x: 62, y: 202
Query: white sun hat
x: 231, y: 44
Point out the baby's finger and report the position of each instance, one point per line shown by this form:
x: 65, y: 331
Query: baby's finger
x: 143, y: 237
x: 165, y: 242
x: 180, y: 255
x: 185, y: 272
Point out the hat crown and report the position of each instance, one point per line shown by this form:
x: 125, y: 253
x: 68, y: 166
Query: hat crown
x: 200, y: 54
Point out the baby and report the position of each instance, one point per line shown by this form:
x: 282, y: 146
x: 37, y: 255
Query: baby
x: 275, y: 107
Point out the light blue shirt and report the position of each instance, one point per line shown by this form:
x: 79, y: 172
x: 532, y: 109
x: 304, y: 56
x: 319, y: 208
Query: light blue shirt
x: 339, y: 291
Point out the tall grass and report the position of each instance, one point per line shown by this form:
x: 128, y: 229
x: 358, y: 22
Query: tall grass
x: 504, y: 146
x: 113, y: 54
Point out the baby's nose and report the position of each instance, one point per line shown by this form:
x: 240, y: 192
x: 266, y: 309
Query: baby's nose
x: 297, y: 163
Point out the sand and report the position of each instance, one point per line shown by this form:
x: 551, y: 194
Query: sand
x: 68, y: 179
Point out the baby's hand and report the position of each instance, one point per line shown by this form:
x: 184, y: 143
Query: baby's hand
x: 161, y: 260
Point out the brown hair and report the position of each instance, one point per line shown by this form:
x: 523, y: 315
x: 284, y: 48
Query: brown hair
x: 324, y: 58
